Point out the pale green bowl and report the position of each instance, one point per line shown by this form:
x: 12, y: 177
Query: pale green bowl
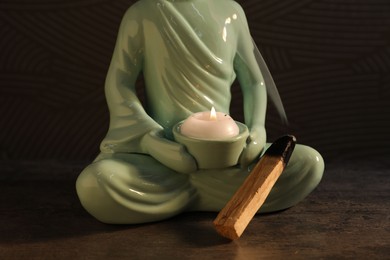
x: 214, y: 154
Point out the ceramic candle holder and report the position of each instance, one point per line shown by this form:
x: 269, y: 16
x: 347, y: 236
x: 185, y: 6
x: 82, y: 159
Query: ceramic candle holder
x: 214, y: 154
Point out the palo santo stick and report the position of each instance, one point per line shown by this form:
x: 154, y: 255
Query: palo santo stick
x: 239, y: 211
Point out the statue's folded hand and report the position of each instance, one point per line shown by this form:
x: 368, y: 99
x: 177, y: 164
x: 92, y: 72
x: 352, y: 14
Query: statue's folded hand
x: 169, y: 153
x: 254, y: 145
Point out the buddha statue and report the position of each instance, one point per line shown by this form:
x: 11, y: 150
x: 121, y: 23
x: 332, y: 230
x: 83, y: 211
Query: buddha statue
x: 190, y: 52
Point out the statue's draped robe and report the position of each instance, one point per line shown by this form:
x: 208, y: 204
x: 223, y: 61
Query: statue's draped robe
x: 188, y: 67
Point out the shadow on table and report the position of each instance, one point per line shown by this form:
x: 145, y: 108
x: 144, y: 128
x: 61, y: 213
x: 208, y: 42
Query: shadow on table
x: 34, y: 211
x: 42, y: 210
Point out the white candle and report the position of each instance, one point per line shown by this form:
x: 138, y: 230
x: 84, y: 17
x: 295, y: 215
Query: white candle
x: 210, y: 125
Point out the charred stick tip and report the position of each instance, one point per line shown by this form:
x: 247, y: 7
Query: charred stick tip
x: 284, y: 146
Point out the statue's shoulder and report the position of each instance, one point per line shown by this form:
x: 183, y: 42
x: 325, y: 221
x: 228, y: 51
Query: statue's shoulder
x: 135, y: 6
x: 139, y: 7
x: 138, y: 11
x: 236, y: 6
x: 229, y: 6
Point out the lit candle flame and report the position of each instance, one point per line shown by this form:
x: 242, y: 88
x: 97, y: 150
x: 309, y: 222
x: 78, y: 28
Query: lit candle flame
x: 213, y: 114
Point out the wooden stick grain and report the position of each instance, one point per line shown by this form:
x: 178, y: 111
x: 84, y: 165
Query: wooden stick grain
x: 239, y: 211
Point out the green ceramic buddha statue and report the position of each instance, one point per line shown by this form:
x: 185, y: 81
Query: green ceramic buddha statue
x: 190, y: 52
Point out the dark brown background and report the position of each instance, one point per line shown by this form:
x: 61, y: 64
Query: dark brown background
x: 330, y: 60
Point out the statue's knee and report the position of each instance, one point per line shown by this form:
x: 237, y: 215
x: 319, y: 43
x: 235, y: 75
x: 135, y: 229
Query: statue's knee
x: 312, y: 161
x: 89, y: 177
x: 86, y: 180
x: 91, y: 191
x: 87, y: 186
x: 103, y: 191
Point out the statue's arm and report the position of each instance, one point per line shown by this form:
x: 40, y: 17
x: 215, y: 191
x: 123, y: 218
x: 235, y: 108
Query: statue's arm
x: 254, y: 91
x: 128, y: 120
x: 131, y: 129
